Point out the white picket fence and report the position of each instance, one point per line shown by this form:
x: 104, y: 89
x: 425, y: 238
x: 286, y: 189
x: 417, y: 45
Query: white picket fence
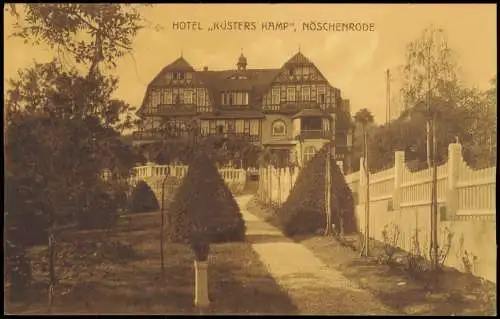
x: 275, y: 184
x: 466, y: 208
x: 463, y: 193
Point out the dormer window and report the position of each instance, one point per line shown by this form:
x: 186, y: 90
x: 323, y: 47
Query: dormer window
x: 239, y: 77
x: 234, y: 98
x: 178, y: 76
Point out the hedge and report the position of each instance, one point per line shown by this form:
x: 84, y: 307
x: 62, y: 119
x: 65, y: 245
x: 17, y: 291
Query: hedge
x: 304, y: 210
x: 204, y: 210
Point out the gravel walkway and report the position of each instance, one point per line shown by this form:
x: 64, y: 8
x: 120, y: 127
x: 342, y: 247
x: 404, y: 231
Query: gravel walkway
x: 311, y: 285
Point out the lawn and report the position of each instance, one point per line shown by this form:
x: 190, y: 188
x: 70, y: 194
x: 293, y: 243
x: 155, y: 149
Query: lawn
x: 118, y: 272
x: 454, y: 293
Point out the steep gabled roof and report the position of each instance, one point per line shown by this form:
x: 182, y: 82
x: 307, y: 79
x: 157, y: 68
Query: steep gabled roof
x: 179, y: 65
x: 298, y: 58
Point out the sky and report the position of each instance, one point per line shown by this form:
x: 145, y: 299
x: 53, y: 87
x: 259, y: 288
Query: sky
x: 354, y: 62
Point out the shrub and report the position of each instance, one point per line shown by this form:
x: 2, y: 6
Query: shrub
x: 304, y: 210
x: 390, y: 243
x: 101, y: 210
x: 23, y: 210
x: 203, y: 210
x: 143, y: 199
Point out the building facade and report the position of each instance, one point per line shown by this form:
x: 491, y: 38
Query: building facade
x: 292, y: 111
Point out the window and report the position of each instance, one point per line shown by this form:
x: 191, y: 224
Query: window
x: 278, y: 128
x: 290, y: 94
x: 321, y: 94
x: 238, y: 98
x: 169, y: 76
x: 309, y: 153
x: 239, y: 126
x: 230, y: 126
x: 212, y: 127
x: 234, y: 98
x: 200, y: 97
x: 305, y: 70
x: 168, y: 97
x: 306, y: 93
x: 276, y: 96
x: 247, y: 127
x: 188, y: 97
x: 254, y: 127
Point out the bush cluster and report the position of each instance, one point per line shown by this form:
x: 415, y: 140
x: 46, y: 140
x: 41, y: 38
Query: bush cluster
x: 143, y: 199
x: 304, y: 210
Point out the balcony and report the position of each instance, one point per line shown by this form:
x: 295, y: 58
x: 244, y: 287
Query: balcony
x: 244, y: 136
x: 313, y: 134
x: 146, y: 135
x: 174, y: 109
x: 294, y: 107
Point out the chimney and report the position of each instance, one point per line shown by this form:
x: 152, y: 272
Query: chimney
x: 205, y: 68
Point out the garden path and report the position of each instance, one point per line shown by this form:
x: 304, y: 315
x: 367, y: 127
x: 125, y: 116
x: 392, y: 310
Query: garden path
x: 312, y: 286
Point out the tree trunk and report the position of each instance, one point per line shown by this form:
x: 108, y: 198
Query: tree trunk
x: 428, y: 143
x: 434, y: 210
x: 162, y: 229
x: 52, y: 270
x: 328, y: 193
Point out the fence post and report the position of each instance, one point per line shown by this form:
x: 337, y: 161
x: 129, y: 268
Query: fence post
x: 361, y: 197
x: 454, y: 159
x: 399, y: 161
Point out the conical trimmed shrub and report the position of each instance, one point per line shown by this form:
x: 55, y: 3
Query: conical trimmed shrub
x: 304, y: 210
x: 143, y: 199
x: 203, y: 210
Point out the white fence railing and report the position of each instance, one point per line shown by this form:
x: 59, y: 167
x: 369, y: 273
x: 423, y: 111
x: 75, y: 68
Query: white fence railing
x: 466, y: 203
x: 153, y: 175
x: 461, y: 190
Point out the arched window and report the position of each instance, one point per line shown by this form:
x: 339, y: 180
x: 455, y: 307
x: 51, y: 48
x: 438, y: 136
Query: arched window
x: 309, y: 153
x: 278, y: 128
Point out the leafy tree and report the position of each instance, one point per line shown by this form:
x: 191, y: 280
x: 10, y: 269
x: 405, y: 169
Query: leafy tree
x: 430, y: 71
x: 363, y: 118
x: 63, y: 128
x: 90, y: 33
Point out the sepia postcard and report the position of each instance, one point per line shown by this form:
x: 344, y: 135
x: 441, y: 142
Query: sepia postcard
x: 250, y: 159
